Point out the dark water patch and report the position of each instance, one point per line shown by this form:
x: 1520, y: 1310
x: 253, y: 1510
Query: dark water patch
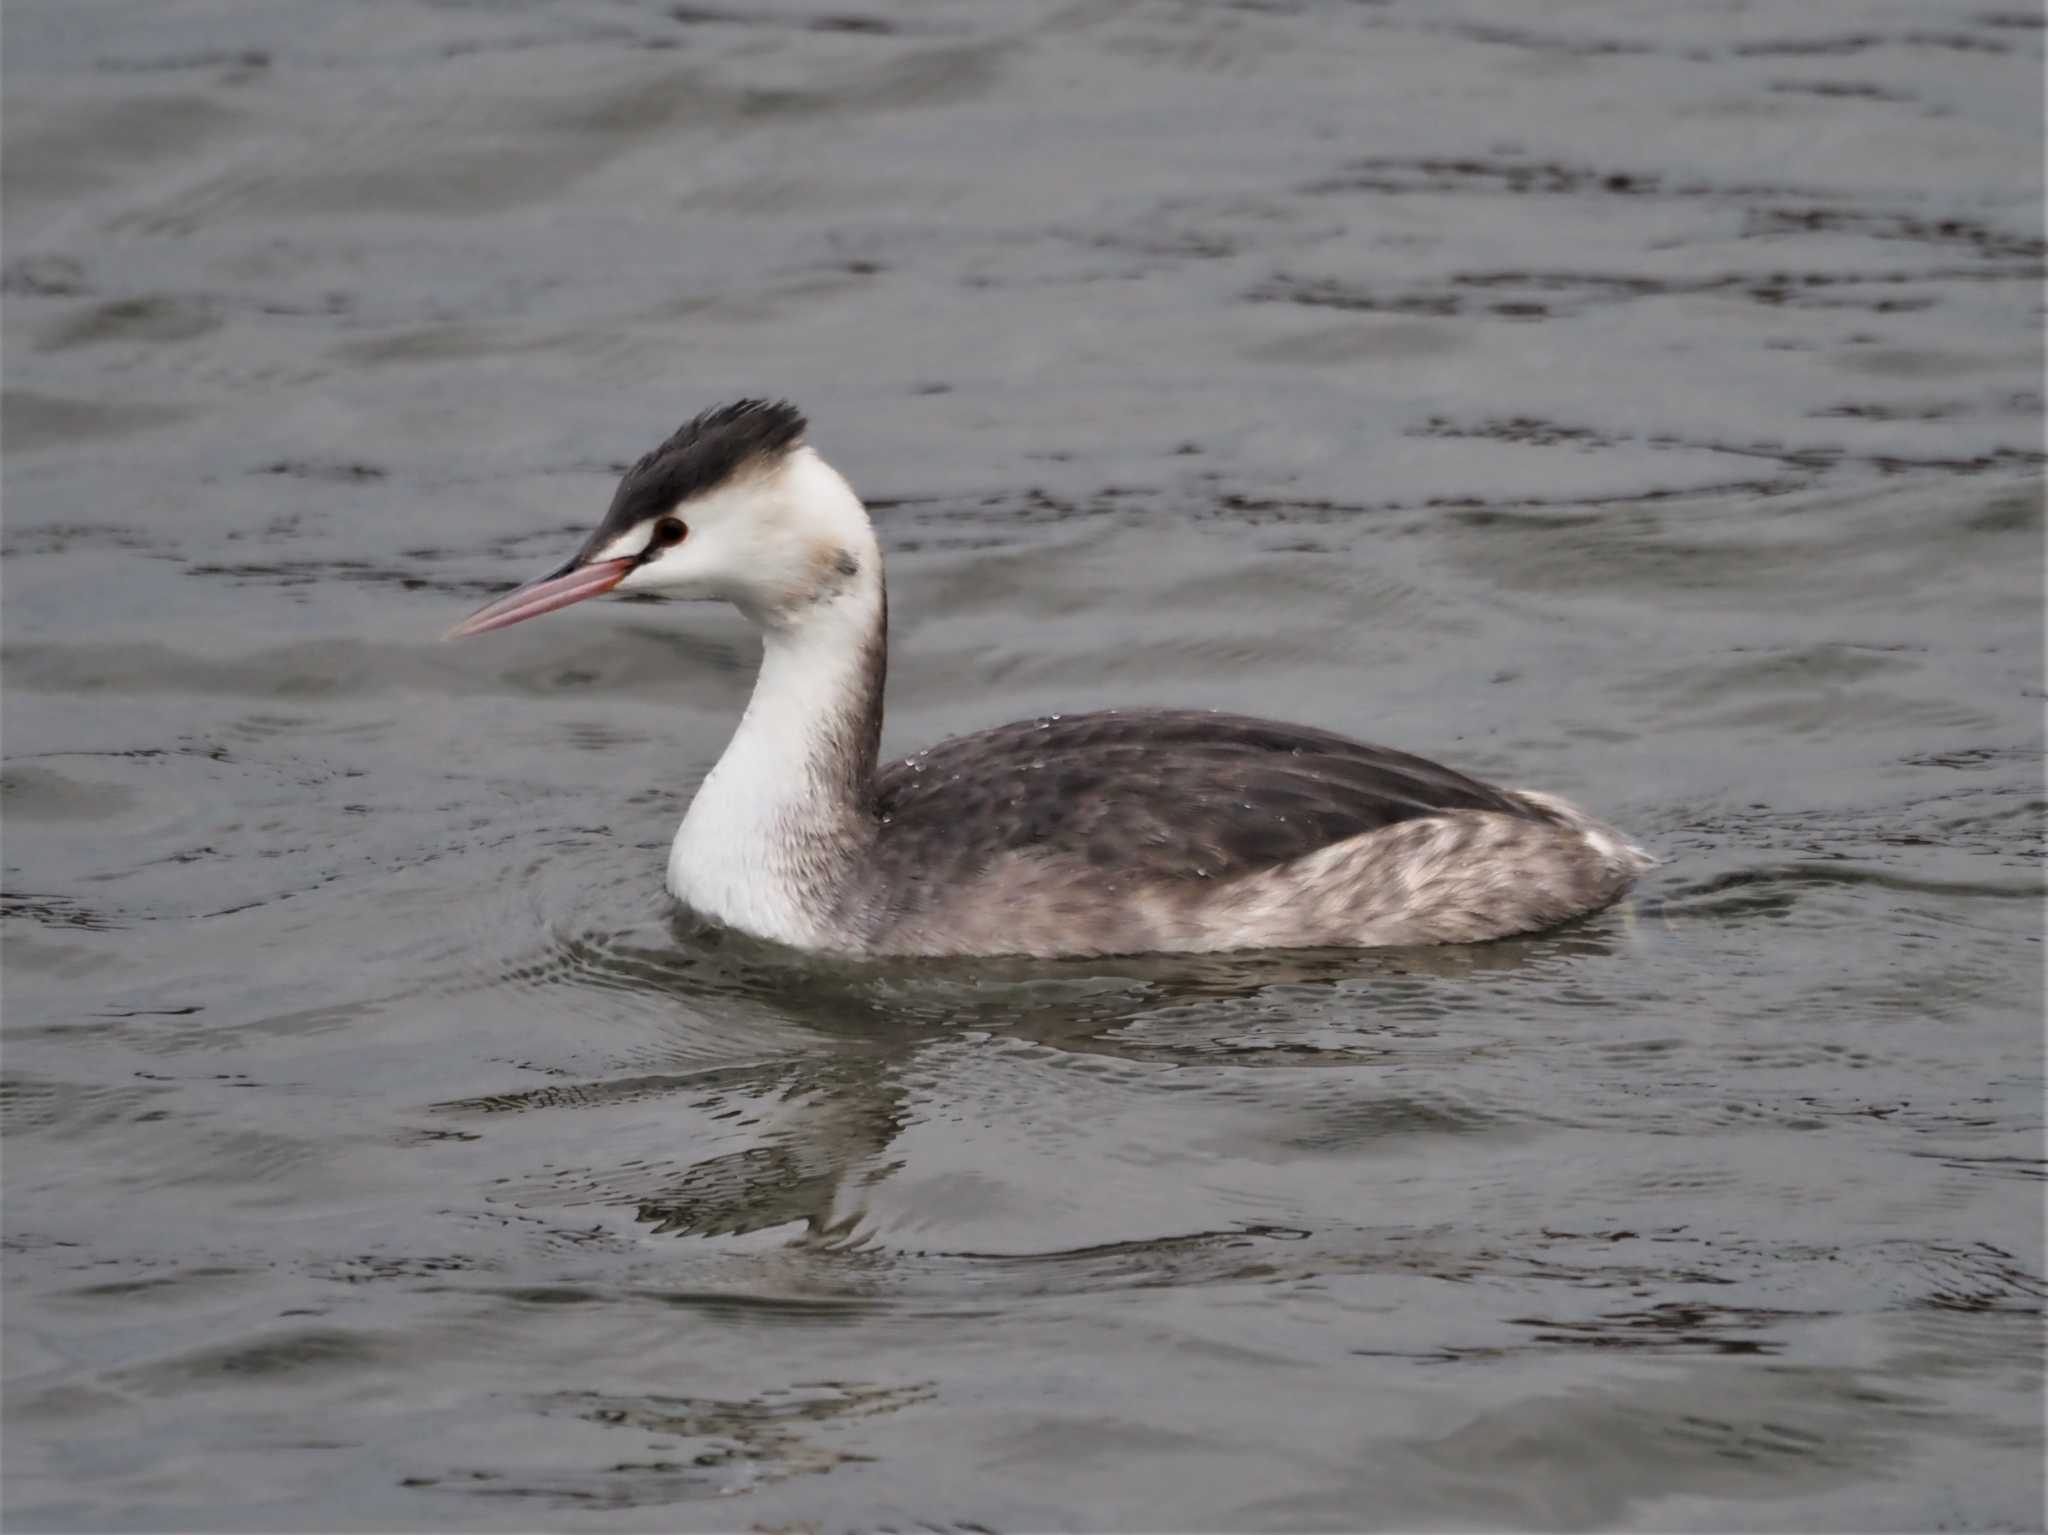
x: 1909, y: 362
x: 1842, y: 90
x: 1844, y: 874
x: 31, y: 422
x: 275, y: 1361
x: 236, y: 64
x: 1402, y: 174
x: 63, y: 537
x: 1570, y: 46
x: 1518, y: 295
x: 840, y: 22
x: 553, y: 1295
x: 2006, y: 459
x: 170, y: 1288
x: 1670, y: 1328
x: 1977, y: 758
x: 1887, y: 411
x: 1530, y: 430
x: 1842, y: 44
x: 2018, y: 513
x: 151, y: 320
x: 48, y: 276
x: 344, y: 473
x: 802, y: 1311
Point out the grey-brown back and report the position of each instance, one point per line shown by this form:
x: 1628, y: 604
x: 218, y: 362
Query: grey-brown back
x: 1146, y: 797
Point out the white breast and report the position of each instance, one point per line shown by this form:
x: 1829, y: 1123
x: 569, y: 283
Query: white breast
x: 724, y: 862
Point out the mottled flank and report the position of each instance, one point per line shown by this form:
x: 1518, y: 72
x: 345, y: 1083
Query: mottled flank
x: 707, y: 451
x: 1161, y: 831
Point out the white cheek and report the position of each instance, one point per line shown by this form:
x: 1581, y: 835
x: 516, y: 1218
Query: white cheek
x: 628, y: 545
x: 681, y: 569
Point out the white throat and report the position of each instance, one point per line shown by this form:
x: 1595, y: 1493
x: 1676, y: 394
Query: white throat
x: 782, y: 823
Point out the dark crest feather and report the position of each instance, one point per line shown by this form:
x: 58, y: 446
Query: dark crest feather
x: 705, y: 452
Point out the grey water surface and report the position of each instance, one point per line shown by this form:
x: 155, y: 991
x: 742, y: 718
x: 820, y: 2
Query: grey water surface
x: 1640, y: 402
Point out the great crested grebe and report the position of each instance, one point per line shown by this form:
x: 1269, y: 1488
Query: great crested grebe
x: 1129, y: 831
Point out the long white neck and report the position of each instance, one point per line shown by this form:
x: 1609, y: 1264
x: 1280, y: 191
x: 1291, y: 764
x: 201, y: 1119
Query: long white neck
x: 779, y: 827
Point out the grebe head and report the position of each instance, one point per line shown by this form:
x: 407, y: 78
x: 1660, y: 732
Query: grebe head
x: 734, y: 506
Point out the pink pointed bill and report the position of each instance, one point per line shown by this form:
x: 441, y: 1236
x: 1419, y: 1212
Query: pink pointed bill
x: 543, y: 596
